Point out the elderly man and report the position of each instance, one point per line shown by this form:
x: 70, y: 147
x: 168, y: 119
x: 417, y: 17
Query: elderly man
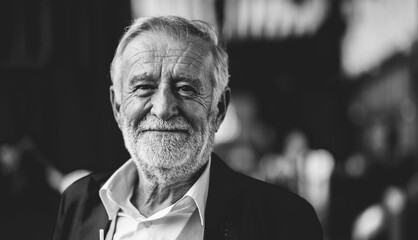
x: 169, y: 96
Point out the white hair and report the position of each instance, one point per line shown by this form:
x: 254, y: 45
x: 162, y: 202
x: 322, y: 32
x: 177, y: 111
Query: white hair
x: 181, y: 28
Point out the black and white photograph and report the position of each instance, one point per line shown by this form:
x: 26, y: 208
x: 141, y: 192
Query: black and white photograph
x: 209, y: 120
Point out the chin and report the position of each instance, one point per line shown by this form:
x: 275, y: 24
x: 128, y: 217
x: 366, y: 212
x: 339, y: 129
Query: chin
x: 165, y: 150
x: 170, y: 161
x: 167, y: 164
x: 170, y: 155
x: 160, y: 155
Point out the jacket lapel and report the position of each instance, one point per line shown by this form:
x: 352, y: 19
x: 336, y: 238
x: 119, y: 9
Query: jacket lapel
x: 91, y: 227
x: 95, y: 216
x: 223, y: 188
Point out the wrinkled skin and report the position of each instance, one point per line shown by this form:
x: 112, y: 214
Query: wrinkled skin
x: 166, y: 113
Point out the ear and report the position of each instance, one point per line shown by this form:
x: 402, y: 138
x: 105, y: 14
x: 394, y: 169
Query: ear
x: 115, y: 106
x: 223, y: 106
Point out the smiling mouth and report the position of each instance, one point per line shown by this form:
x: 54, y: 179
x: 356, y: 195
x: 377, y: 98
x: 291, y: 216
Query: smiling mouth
x: 167, y: 130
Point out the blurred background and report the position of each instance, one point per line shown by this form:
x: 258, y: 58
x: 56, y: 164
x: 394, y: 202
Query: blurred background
x: 324, y: 103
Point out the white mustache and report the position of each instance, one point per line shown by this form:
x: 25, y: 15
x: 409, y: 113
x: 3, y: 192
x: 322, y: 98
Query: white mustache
x: 177, y: 123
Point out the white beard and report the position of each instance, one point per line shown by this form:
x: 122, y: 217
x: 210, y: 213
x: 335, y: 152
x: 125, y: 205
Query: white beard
x: 168, y: 156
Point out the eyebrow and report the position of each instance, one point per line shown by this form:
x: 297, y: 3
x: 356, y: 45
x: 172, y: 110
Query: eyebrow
x: 195, y: 81
x: 138, y: 78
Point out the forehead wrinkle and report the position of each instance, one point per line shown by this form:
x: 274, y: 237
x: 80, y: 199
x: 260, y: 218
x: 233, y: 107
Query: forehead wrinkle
x: 140, y: 51
x: 198, y: 56
x: 158, y: 50
x: 138, y: 70
x: 145, y: 47
x: 147, y: 58
x: 171, y: 59
x: 185, y: 51
x: 195, y: 54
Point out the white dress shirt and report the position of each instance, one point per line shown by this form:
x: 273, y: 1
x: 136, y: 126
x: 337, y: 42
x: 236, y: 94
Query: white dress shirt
x: 181, y: 220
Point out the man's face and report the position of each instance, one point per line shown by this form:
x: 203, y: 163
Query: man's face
x: 166, y: 113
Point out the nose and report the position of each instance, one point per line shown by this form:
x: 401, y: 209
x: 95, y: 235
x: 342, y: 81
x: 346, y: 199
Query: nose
x: 164, y: 104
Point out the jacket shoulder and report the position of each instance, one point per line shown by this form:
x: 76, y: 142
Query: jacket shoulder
x: 264, y: 189
x: 85, y: 185
x: 78, y: 203
x: 277, y: 208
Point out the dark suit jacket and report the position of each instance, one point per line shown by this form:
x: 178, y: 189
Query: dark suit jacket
x: 238, y: 207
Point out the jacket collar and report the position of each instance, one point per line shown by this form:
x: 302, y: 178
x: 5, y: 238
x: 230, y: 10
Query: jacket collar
x: 224, y: 186
x: 95, y: 216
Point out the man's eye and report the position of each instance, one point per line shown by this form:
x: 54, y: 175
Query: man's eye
x: 144, y: 87
x: 186, y: 89
x: 144, y: 90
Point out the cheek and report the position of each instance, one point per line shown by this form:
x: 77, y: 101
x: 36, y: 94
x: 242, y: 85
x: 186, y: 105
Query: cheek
x: 197, y: 115
x: 135, y: 110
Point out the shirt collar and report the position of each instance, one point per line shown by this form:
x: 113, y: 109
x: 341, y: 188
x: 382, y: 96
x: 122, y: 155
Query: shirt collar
x: 199, y: 192
x: 117, y: 190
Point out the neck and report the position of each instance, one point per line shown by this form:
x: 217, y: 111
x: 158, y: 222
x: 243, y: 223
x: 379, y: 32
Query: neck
x: 154, y: 191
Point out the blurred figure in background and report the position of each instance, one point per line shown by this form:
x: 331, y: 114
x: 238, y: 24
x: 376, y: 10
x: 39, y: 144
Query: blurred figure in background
x: 302, y: 170
x: 284, y: 169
